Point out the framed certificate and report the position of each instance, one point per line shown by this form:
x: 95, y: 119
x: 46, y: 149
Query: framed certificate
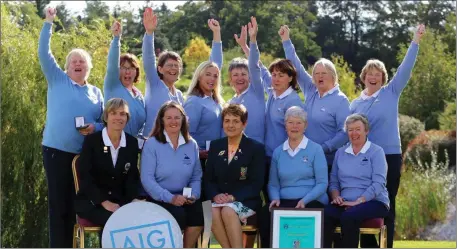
x: 297, y: 228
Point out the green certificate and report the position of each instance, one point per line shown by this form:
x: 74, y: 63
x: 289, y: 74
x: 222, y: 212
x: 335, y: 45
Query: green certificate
x: 297, y: 232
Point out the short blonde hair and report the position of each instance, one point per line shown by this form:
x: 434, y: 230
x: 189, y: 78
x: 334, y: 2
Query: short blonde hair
x: 329, y: 66
x: 194, y: 88
x: 374, y: 64
x: 114, y: 104
x: 84, y: 54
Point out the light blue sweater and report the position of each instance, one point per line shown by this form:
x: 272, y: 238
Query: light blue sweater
x: 165, y: 172
x: 113, y: 88
x: 326, y: 115
x: 275, y: 132
x: 382, y: 111
x: 254, y: 100
x: 303, y: 176
x: 65, y: 101
x: 360, y: 175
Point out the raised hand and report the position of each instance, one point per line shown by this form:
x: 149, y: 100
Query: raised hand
x: 284, y: 33
x: 213, y: 24
x: 149, y: 21
x: 50, y: 14
x: 243, y: 37
x: 116, y: 29
x: 253, y: 29
x: 419, y: 33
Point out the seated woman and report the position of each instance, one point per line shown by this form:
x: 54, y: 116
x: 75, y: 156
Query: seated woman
x: 234, y: 177
x: 169, y: 164
x: 357, y: 184
x: 298, y: 172
x: 108, y: 172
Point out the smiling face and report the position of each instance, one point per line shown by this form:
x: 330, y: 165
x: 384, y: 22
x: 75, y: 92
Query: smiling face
x: 233, y: 126
x: 172, y: 120
x: 239, y: 79
x: 117, y: 119
x: 77, y: 68
x: 170, y: 71
x: 280, y: 81
x: 207, y: 82
x: 127, y: 74
x: 373, y: 80
x: 295, y: 127
x: 323, y: 78
x: 357, y: 133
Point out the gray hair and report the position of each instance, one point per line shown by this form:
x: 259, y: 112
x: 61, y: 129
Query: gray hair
x: 84, y: 54
x: 354, y: 118
x: 238, y: 62
x: 297, y: 112
x: 329, y: 66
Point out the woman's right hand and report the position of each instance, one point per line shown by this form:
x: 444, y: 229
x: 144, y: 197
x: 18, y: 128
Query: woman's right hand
x: 203, y: 154
x: 274, y: 203
x: 50, y: 14
x: 221, y: 199
x: 242, y: 40
x: 253, y: 28
x: 116, y: 29
x: 284, y: 33
x: 337, y: 200
x: 110, y: 206
x: 149, y: 21
x: 178, y: 200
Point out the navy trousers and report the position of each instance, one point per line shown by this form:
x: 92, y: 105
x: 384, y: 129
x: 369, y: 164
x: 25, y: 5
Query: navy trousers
x: 394, y: 162
x: 350, y: 220
x: 61, y: 194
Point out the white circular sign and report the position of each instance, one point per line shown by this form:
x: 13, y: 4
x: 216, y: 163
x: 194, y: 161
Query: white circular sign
x: 142, y: 225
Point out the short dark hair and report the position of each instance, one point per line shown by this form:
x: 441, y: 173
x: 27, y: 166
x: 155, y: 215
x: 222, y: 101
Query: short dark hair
x: 133, y: 60
x: 164, y: 56
x: 285, y: 66
x: 157, y: 132
x: 237, y: 110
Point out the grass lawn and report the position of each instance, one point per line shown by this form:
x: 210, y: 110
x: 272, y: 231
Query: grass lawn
x: 407, y: 244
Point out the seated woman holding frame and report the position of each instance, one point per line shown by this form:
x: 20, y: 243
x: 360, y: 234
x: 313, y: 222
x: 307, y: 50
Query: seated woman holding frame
x: 357, y: 184
x: 171, y: 172
x: 234, y: 177
x: 108, y: 167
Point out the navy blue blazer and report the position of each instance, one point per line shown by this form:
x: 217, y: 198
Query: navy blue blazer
x: 243, y: 177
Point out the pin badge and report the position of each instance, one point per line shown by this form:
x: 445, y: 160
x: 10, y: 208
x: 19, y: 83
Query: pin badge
x: 221, y: 153
x: 236, y: 158
x: 126, y: 167
x: 323, y: 109
x: 105, y: 149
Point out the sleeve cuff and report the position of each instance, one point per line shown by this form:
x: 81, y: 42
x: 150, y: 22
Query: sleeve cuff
x: 325, y: 148
x: 168, y: 197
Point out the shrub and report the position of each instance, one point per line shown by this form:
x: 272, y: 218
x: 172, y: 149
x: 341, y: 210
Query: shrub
x: 425, y: 191
x: 421, y: 148
x: 447, y: 118
x: 409, y: 129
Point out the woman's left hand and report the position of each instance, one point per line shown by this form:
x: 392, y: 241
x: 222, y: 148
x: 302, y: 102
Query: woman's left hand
x: 191, y: 200
x: 349, y: 204
x: 89, y: 130
x: 300, y: 204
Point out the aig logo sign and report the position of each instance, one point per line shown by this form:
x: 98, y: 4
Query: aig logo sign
x: 142, y: 225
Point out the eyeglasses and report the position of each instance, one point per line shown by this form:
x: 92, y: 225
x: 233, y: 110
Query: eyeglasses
x: 128, y: 68
x: 170, y: 66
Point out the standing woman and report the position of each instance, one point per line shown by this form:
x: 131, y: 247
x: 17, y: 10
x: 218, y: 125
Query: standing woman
x: 203, y: 105
x: 162, y: 76
x: 327, y: 106
x: 108, y: 167
x: 69, y: 96
x: 379, y: 102
x: 234, y: 177
x: 122, y: 72
x: 170, y: 163
x: 250, y: 94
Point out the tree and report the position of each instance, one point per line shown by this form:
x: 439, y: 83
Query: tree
x: 196, y: 52
x: 65, y: 20
x: 40, y: 5
x: 346, y: 77
x: 432, y: 81
x: 447, y: 118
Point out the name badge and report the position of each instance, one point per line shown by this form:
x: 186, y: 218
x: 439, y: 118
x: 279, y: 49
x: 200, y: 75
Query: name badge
x: 365, y: 161
x: 243, y: 173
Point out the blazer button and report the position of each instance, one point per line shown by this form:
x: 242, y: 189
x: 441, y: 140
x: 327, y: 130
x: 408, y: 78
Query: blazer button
x: 112, y: 177
x: 109, y: 192
x: 225, y: 183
